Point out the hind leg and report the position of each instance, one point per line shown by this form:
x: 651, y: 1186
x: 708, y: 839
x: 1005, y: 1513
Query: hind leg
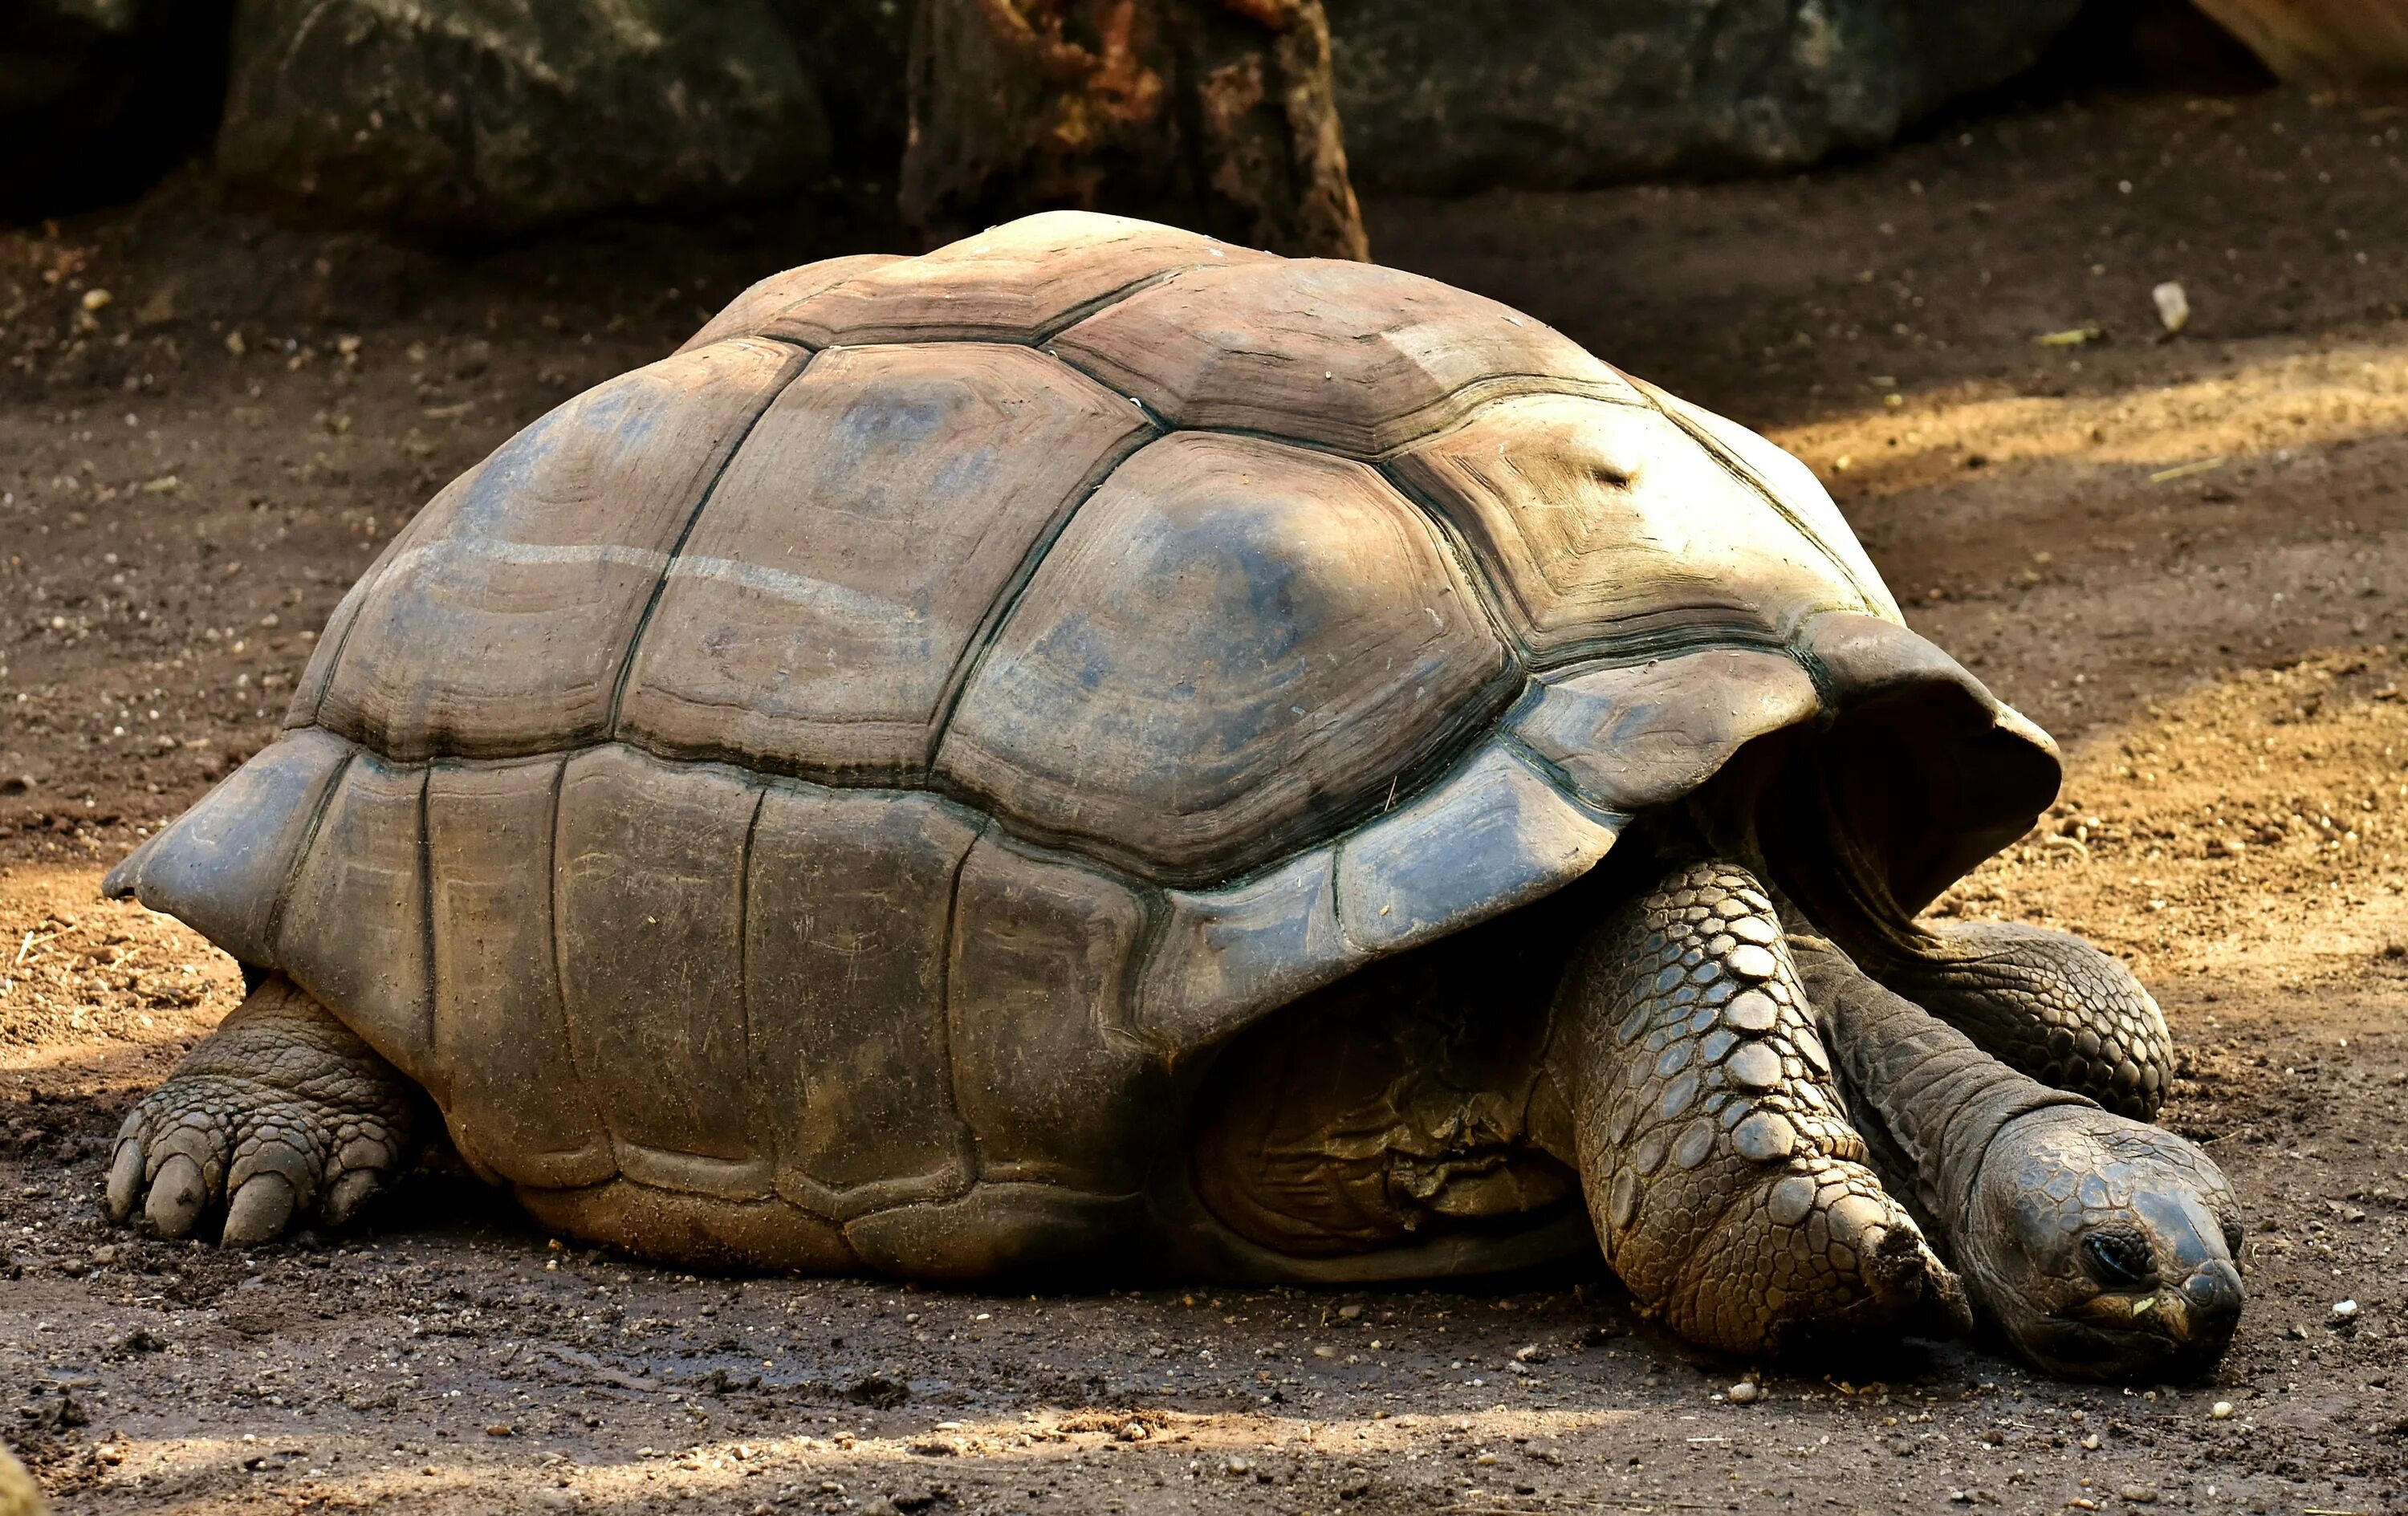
x: 282, y: 1113
x: 2046, y: 1004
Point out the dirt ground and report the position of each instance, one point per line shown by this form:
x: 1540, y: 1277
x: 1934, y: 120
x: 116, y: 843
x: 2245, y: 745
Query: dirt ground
x: 2186, y: 557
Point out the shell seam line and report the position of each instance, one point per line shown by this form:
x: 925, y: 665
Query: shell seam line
x: 603, y: 1137
x: 1467, y: 565
x: 426, y: 905
x: 795, y: 369
x: 366, y: 584
x: 972, y: 1152
x: 990, y: 631
x: 274, y: 931
x: 1096, y: 306
x: 1561, y: 780
x: 1514, y: 386
x: 744, y: 922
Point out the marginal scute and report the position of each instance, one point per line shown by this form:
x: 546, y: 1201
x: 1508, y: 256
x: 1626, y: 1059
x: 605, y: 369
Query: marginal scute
x: 1493, y: 835
x: 1053, y: 1084
x: 309, y: 690
x: 1235, y: 646
x: 650, y: 872
x: 996, y: 1231
x: 1869, y: 656
x: 500, y: 631
x: 1222, y: 957
x: 222, y: 867
x: 1351, y: 356
x: 697, y: 1231
x: 818, y: 615
x: 1605, y: 525
x: 1010, y: 283
x: 501, y: 1068
x: 354, y: 928
x: 848, y: 924
x: 1633, y: 736
x: 750, y: 313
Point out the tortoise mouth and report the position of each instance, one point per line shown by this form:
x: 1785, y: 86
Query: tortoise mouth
x: 2079, y: 1347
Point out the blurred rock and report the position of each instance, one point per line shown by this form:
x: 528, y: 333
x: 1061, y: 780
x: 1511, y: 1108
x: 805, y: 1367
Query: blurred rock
x: 99, y: 96
x: 1437, y: 96
x: 857, y: 49
x: 484, y: 118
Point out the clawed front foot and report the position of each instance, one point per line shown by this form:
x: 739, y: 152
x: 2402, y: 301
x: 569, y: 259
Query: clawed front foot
x: 1729, y: 1193
x: 282, y: 1113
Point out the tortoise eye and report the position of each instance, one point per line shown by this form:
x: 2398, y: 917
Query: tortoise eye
x: 2118, y: 1257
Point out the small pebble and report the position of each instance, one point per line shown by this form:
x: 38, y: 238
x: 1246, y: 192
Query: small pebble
x: 2139, y: 1494
x: 96, y: 299
x: 1745, y: 1393
x: 2173, y: 306
x: 2220, y: 1412
x: 2344, y: 1309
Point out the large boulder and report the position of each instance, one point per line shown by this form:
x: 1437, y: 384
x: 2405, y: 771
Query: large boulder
x: 1441, y: 95
x: 98, y: 97
x: 493, y: 118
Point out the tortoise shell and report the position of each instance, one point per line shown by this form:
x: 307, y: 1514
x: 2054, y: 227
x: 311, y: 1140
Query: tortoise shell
x: 817, y: 799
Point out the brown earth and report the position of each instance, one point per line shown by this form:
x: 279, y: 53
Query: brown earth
x: 2183, y: 556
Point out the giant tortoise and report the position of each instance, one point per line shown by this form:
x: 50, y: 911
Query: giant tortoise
x: 1094, y: 750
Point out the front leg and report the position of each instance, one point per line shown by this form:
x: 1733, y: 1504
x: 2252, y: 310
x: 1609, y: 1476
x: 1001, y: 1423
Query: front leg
x: 284, y: 1109
x: 1728, y: 1191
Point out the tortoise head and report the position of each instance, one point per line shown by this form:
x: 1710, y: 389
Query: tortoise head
x: 2103, y: 1247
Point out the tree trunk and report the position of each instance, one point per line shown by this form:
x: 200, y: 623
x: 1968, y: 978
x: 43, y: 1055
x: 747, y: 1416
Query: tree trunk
x: 1215, y: 115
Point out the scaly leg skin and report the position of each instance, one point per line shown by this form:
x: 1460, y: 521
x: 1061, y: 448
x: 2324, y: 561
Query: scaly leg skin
x: 2047, y: 1004
x: 1730, y: 1194
x: 283, y: 1109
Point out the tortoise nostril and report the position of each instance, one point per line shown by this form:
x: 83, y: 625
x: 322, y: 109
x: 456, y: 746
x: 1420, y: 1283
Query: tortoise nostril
x: 2214, y: 1293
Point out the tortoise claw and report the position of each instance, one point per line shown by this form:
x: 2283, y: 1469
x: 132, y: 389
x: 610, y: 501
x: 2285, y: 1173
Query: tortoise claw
x: 125, y: 1178
x: 259, y: 1210
x: 178, y: 1193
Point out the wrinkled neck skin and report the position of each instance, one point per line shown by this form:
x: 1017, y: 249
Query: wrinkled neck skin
x: 2099, y: 1247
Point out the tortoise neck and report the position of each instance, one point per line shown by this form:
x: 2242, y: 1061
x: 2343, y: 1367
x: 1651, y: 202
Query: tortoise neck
x: 1937, y: 1100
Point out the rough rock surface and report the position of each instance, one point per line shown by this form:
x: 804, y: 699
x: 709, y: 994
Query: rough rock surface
x: 97, y: 96
x: 488, y: 118
x: 1437, y: 96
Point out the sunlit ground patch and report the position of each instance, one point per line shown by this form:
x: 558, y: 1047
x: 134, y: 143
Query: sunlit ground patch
x: 2254, y: 831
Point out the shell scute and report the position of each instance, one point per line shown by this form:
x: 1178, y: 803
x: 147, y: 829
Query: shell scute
x: 221, y: 867
x: 650, y: 868
x: 501, y: 1030
x: 354, y: 930
x: 852, y: 554
x: 849, y: 922
x: 1627, y: 737
x: 1010, y: 283
x: 501, y: 625
x: 1349, y: 356
x: 1233, y: 644
x: 1493, y: 835
x: 1053, y: 1084
x: 751, y: 313
x: 1604, y: 525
